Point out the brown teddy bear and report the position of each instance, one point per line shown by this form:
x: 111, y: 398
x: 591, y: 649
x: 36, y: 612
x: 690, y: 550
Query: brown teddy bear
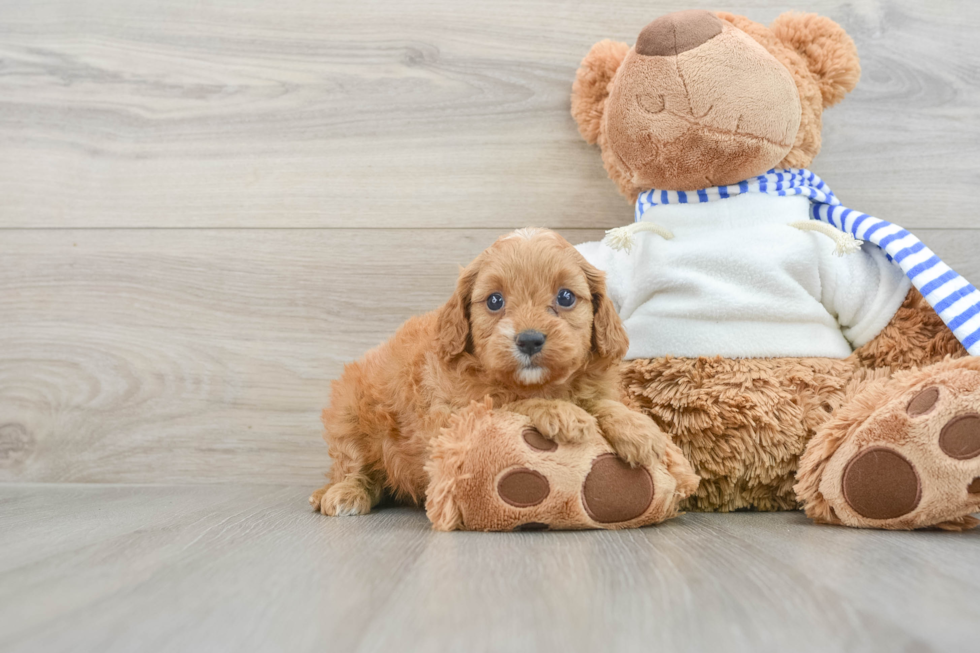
x: 788, y: 375
x: 798, y: 353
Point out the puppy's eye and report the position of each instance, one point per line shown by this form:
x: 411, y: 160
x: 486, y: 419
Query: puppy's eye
x: 565, y: 298
x: 495, y: 302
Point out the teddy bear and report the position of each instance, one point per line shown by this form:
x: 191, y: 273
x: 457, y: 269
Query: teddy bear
x: 791, y: 351
x: 799, y: 353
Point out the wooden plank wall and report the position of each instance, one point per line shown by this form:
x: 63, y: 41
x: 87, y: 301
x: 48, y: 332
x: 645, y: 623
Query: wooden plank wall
x: 206, y: 209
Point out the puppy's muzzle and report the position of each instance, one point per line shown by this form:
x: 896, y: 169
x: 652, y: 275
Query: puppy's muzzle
x: 530, y: 342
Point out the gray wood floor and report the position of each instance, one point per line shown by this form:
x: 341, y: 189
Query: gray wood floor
x: 230, y: 567
x: 206, y: 209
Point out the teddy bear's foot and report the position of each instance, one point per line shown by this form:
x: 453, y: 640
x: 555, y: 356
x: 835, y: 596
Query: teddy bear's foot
x: 904, y: 453
x: 493, y: 471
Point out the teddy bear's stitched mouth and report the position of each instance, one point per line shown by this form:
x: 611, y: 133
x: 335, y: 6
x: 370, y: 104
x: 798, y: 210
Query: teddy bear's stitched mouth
x: 659, y: 107
x: 695, y: 122
x: 657, y: 104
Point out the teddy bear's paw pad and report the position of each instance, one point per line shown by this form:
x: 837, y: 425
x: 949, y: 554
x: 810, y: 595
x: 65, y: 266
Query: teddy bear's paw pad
x: 960, y: 437
x: 923, y: 402
x: 615, y: 492
x: 534, y: 439
x: 881, y: 484
x: 523, y: 487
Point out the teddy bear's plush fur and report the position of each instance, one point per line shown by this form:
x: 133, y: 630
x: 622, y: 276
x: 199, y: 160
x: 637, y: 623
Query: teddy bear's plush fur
x: 887, y: 438
x: 745, y: 423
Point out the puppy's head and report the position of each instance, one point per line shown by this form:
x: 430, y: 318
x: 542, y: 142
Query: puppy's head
x: 532, y: 311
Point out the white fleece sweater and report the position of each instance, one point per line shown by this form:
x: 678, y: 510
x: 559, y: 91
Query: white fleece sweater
x: 737, y: 281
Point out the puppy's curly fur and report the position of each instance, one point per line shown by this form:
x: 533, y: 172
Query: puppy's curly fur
x: 387, y: 406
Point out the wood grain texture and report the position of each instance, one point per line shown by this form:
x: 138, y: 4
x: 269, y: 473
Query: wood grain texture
x: 436, y: 113
x: 103, y: 568
x: 194, y: 356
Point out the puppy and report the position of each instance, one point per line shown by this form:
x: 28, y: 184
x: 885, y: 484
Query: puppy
x: 530, y: 326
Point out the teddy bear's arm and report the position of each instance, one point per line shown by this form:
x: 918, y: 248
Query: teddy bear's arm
x: 862, y: 290
x: 915, y: 337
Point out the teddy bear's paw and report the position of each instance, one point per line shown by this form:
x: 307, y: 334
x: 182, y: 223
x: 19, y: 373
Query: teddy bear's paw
x: 915, y: 462
x: 559, y: 487
x: 613, y: 494
x: 500, y: 472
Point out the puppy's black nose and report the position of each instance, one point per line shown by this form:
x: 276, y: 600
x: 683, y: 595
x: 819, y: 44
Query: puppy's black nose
x: 530, y: 342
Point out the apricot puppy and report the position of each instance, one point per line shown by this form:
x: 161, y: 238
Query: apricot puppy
x: 530, y: 327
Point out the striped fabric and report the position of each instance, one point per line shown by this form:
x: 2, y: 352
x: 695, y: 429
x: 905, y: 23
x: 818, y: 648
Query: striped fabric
x: 955, y: 300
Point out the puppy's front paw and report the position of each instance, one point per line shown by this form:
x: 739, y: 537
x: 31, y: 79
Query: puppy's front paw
x: 634, y: 437
x: 343, y: 499
x: 565, y: 423
x: 636, y: 452
x: 316, y: 496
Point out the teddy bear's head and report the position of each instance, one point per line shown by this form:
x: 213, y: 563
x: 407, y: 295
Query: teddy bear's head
x: 707, y: 99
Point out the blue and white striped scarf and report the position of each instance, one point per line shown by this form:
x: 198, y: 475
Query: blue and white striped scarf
x: 955, y: 300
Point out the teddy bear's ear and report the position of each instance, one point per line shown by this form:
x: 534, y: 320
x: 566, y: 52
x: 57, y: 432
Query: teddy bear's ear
x: 829, y: 52
x: 591, y: 85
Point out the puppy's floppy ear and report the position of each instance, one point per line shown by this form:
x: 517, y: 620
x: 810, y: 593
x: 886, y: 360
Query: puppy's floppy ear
x: 591, y: 86
x: 609, y: 338
x: 829, y: 52
x: 453, y: 322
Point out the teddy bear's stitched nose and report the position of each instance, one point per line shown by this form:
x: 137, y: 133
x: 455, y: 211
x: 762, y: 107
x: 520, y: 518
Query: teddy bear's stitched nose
x: 678, y: 32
